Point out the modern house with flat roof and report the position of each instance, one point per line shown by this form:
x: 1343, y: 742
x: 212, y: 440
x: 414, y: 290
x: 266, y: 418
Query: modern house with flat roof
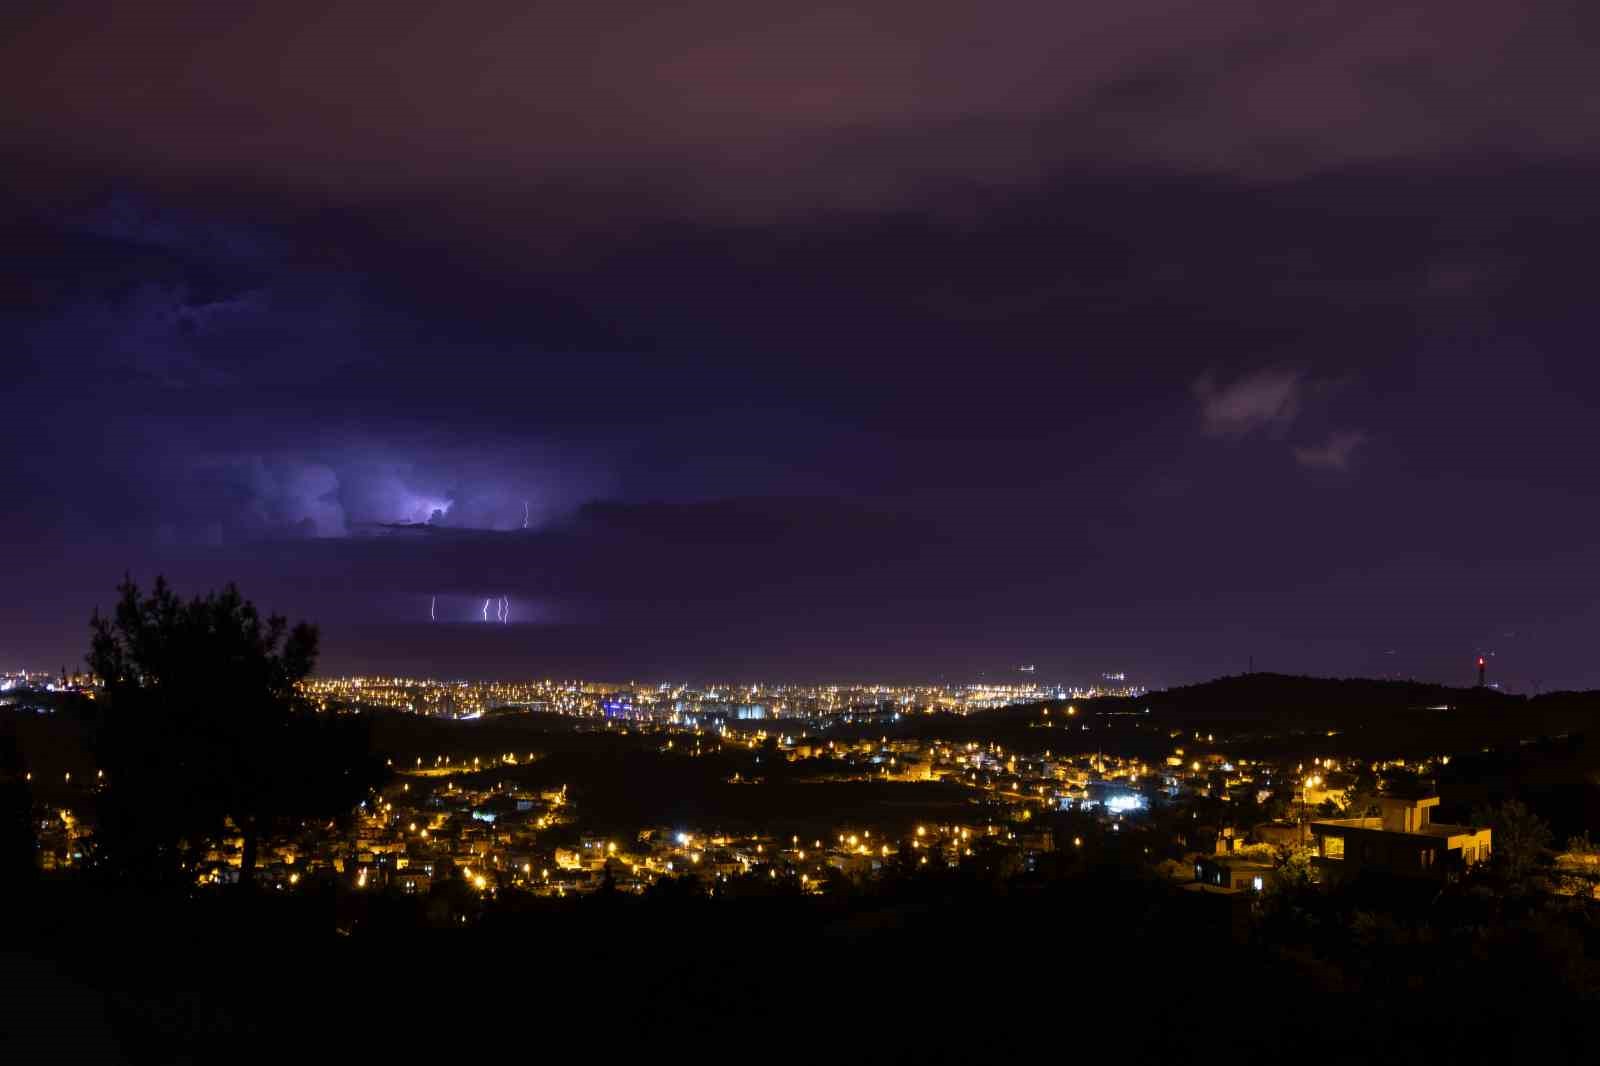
x: 1403, y: 840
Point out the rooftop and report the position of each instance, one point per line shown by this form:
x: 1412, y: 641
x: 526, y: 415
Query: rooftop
x: 1235, y: 862
x: 1431, y: 829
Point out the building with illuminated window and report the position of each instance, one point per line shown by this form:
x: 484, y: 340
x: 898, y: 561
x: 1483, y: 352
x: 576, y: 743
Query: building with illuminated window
x: 1233, y: 873
x: 1403, y: 840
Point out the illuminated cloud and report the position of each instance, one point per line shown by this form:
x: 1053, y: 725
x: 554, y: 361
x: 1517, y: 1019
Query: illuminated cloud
x: 354, y: 488
x: 301, y: 498
x: 1334, y: 453
x: 1263, y: 400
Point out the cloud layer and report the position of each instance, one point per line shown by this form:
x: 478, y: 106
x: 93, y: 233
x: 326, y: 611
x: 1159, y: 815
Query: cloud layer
x: 960, y: 263
x: 730, y: 105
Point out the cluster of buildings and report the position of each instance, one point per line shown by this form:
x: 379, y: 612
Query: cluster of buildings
x: 456, y: 820
x: 685, y: 704
x: 449, y: 699
x: 64, y: 840
x: 447, y: 821
x: 460, y: 820
x: 26, y: 681
x: 1339, y: 832
x: 1401, y: 840
x: 1020, y: 779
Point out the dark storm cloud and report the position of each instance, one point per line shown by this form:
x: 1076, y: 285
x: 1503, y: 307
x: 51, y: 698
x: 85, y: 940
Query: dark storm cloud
x: 127, y: 220
x: 142, y: 292
x: 220, y: 363
x: 829, y: 341
x: 733, y: 105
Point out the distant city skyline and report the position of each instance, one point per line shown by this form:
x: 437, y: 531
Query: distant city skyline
x: 1046, y: 683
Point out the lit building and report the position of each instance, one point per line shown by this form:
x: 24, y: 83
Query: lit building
x: 1403, y: 840
x: 1233, y: 873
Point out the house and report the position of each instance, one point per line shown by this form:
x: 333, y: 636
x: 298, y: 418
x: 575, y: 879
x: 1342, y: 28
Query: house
x: 1281, y: 834
x: 1232, y: 873
x: 1403, y: 840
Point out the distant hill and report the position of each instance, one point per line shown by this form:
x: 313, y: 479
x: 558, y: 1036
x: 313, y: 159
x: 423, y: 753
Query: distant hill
x: 1281, y: 696
x: 1267, y: 713
x: 1285, y: 701
x: 1374, y: 716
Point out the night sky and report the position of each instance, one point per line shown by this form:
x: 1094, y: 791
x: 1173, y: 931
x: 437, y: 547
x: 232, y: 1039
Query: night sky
x: 891, y: 340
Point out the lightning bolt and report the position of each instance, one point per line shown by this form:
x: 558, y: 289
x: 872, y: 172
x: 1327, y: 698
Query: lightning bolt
x: 505, y: 609
x: 486, y: 610
x: 432, y: 605
x: 524, y: 514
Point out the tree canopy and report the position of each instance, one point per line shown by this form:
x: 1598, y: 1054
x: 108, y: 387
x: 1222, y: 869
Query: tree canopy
x: 203, y: 734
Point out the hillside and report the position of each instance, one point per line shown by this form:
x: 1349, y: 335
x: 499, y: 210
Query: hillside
x: 1244, y: 697
x: 1268, y: 713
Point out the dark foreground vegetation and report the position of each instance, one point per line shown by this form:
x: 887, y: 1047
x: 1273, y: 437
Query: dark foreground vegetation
x: 1074, y: 964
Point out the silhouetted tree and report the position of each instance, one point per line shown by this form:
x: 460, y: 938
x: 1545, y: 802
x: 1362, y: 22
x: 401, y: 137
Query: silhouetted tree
x: 19, y: 846
x: 1521, y: 842
x: 201, y: 724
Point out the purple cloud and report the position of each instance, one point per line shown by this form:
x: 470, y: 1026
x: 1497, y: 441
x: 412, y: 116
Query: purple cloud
x: 1334, y: 453
x: 1263, y: 400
